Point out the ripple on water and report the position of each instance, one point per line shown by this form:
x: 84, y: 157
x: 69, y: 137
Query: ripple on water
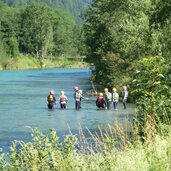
x: 23, y: 103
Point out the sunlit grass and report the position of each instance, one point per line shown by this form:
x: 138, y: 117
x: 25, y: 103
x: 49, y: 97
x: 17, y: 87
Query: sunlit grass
x: 29, y: 62
x: 101, y: 151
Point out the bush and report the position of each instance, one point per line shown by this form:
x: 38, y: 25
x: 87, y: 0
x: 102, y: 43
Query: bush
x: 46, y: 152
x: 152, y: 93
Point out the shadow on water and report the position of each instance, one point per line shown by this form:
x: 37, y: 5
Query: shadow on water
x: 23, y: 103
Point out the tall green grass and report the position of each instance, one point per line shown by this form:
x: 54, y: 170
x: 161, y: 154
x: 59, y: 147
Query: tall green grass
x: 102, y: 153
x: 30, y: 62
x: 19, y: 62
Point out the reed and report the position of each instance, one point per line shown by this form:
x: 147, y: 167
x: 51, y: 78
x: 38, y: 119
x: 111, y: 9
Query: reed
x: 113, y: 148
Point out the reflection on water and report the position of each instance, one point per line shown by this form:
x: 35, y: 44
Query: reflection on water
x: 23, y: 103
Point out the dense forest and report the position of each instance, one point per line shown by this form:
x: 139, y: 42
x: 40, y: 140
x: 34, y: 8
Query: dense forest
x: 129, y: 43
x: 119, y: 33
x: 37, y: 30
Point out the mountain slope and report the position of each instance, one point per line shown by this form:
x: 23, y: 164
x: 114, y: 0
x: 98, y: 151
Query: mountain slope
x: 75, y: 7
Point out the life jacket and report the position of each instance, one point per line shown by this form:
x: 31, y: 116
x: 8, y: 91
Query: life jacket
x: 78, y: 96
x: 125, y: 94
x: 100, y: 100
x: 50, y: 98
x: 63, y: 99
x: 115, y: 96
x: 108, y: 96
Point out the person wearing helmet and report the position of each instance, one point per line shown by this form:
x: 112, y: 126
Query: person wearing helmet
x: 82, y: 97
x: 78, y: 97
x: 100, y: 102
x: 107, y: 98
x: 51, y: 100
x: 75, y: 91
x: 63, y: 100
x: 124, y: 96
x: 115, y: 99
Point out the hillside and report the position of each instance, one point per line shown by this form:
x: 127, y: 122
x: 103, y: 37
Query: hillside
x: 75, y: 7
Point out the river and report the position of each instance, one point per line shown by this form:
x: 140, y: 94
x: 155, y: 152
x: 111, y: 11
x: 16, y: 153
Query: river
x: 23, y: 104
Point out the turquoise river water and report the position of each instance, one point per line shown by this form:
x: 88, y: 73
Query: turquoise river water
x: 23, y: 103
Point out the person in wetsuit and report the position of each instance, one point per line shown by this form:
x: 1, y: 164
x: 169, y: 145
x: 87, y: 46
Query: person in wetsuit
x: 51, y: 100
x: 100, y: 102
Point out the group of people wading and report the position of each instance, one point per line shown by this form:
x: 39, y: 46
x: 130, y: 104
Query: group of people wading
x: 103, y: 101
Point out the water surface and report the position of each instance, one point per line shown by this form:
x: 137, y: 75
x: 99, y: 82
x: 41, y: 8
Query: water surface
x: 23, y: 103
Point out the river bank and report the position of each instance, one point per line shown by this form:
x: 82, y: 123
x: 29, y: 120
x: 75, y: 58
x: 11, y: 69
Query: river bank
x: 23, y: 103
x: 28, y: 62
x: 46, y: 152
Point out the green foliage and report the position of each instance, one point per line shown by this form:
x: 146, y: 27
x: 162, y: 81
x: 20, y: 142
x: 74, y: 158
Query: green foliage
x: 36, y: 30
x: 108, y: 69
x: 120, y: 28
x: 129, y: 30
x: 46, y: 152
x: 63, y: 35
x: 152, y: 91
x: 9, y: 30
x: 21, y: 62
x: 74, y: 7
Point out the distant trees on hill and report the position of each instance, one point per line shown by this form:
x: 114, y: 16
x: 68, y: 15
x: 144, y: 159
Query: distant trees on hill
x: 38, y: 30
x: 75, y: 7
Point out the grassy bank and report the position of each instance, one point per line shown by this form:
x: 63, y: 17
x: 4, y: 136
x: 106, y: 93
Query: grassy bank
x: 29, y: 62
x: 45, y: 152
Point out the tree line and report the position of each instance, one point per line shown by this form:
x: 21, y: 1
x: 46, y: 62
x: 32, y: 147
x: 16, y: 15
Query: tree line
x: 118, y: 33
x: 37, y: 30
x: 129, y: 43
x: 74, y: 7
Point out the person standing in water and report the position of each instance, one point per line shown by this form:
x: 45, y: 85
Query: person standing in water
x: 75, y: 91
x: 63, y: 100
x: 108, y: 98
x: 115, y: 99
x: 78, y: 97
x: 51, y: 100
x: 124, y: 96
x: 100, y: 102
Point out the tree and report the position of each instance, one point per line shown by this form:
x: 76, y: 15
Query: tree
x: 160, y: 22
x: 152, y: 92
x: 63, y: 33
x: 118, y: 27
x: 36, y: 30
x: 9, y: 24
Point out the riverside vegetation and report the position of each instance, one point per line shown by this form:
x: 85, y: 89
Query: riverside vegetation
x: 129, y: 43
x: 29, y: 62
x: 35, y: 35
x: 145, y: 145
x: 46, y: 152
